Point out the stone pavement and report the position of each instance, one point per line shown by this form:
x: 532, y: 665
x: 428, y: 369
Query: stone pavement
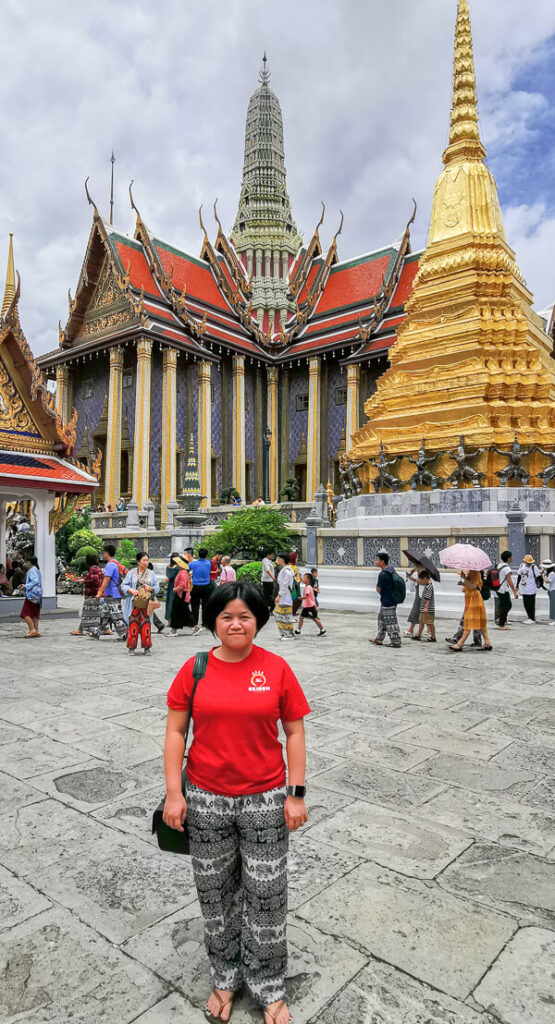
x: 421, y: 890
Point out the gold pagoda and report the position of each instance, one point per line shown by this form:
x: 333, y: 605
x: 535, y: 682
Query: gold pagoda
x: 472, y: 357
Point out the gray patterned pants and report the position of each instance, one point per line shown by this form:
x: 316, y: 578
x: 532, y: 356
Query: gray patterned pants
x: 387, y: 623
x: 110, y: 616
x: 239, y: 856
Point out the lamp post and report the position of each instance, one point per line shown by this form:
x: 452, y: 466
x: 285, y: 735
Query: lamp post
x: 267, y: 444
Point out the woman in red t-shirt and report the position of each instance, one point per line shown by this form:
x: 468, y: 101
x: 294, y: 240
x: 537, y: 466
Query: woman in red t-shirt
x: 237, y: 805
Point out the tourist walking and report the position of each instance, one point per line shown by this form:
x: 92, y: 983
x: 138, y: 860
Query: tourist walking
x: 216, y: 568
x: 33, y: 598
x: 283, y: 608
x: 109, y: 595
x: 310, y: 608
x: 227, y: 572
x: 268, y: 579
x: 503, y: 578
x: 315, y: 584
x: 181, y: 616
x: 156, y: 620
x: 414, y: 614
x: 238, y: 802
x: 528, y: 580
x: 427, y: 606
x: 548, y: 570
x: 171, y: 574
x: 474, y: 610
x: 140, y: 587
x: 200, y: 569
x: 387, y: 615
x: 90, y: 612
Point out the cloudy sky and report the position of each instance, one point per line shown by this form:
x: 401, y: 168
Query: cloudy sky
x: 365, y: 89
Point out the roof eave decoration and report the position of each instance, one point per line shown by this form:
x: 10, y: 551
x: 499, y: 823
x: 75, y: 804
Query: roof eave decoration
x: 300, y: 273
x: 303, y: 312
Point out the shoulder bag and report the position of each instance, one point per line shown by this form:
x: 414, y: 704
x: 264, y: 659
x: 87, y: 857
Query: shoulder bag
x: 170, y: 839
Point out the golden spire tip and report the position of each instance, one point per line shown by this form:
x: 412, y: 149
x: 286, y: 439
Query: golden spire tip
x: 9, y: 293
x: 464, y: 134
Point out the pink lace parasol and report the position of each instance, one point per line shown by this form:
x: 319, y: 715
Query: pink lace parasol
x: 464, y: 556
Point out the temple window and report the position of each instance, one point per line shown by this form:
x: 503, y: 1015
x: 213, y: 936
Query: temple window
x: 340, y: 396
x: 87, y: 389
x: 127, y: 379
x: 301, y: 403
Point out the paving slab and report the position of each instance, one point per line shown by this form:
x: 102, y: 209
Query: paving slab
x: 12, y: 733
x: 92, y: 783
x: 313, y: 866
x: 391, y: 753
x: 493, y: 817
x: 519, y: 987
x: 98, y: 704
x: 528, y: 732
x: 382, y: 995
x: 119, y: 746
x: 18, y: 901
x: 514, y: 882
x: 477, y: 775
x: 452, y: 741
x: 133, y: 813
x: 541, y: 795
x: 379, y: 785
x: 25, y: 759
x: 528, y: 756
x: 390, y: 839
x: 432, y: 935
x: 376, y: 725
x: 174, y: 1009
x: 21, y: 712
x: 14, y: 793
x: 460, y: 720
x: 54, y: 969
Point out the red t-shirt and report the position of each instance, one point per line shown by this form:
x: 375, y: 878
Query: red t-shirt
x: 237, y: 706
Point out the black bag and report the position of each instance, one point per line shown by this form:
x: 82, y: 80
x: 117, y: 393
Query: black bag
x: 170, y: 839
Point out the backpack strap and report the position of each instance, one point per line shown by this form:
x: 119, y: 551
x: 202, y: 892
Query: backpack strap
x: 199, y: 670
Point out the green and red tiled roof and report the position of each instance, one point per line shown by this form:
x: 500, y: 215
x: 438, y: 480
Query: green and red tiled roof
x: 44, y: 472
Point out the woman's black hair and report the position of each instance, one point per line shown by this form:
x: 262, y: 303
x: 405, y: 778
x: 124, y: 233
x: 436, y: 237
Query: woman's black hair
x: 34, y: 561
x: 140, y: 554
x: 173, y: 556
x: 91, y: 560
x: 239, y: 590
x: 285, y: 557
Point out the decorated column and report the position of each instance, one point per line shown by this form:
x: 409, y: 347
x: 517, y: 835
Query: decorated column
x: 353, y: 395
x: 141, y: 456
x: 205, y: 431
x: 313, y: 445
x: 239, y: 424
x: 113, y: 429
x: 168, y: 482
x: 273, y: 423
x: 62, y: 392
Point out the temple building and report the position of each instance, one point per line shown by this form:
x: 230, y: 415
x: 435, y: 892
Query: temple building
x: 37, y: 468
x: 261, y: 334
x: 266, y: 342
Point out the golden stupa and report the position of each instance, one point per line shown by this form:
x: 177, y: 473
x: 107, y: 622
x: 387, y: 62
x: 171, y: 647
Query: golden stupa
x: 472, y: 357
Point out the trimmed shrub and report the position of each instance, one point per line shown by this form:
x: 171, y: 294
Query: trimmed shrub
x: 126, y: 553
x: 250, y: 532
x: 79, y: 560
x: 82, y: 538
x: 252, y: 572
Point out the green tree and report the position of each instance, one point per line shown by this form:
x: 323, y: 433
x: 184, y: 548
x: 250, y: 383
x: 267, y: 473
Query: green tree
x: 126, y: 553
x: 251, y: 572
x: 77, y: 521
x: 79, y: 560
x: 82, y: 538
x: 250, y: 532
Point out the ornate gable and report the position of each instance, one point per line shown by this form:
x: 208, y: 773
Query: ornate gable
x: 17, y: 426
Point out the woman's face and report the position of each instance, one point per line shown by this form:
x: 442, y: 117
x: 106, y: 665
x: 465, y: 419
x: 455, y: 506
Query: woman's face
x: 236, y: 625
x: 143, y: 564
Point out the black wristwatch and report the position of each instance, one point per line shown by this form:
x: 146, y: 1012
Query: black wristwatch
x: 298, y: 791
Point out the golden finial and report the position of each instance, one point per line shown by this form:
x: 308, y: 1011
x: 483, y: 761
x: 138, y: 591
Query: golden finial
x: 464, y: 134
x: 9, y: 293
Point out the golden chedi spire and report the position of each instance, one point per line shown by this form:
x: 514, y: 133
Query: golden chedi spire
x: 472, y: 357
x: 9, y: 292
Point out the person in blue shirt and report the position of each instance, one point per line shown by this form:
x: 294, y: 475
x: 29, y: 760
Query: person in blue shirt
x: 387, y: 616
x: 202, y: 587
x: 110, y: 597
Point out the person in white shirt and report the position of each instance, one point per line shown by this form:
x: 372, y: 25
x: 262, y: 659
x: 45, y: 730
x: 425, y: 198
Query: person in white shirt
x: 283, y: 612
x: 528, y: 581
x: 548, y: 570
x: 268, y: 579
x: 506, y: 586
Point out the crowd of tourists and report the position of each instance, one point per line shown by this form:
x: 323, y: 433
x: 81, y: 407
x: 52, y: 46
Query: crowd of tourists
x: 477, y: 587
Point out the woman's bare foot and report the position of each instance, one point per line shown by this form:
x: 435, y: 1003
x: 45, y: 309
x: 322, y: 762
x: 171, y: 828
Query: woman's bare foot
x: 277, y: 1013
x: 214, y: 1005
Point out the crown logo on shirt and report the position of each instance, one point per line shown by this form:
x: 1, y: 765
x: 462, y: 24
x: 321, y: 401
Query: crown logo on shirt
x: 258, y: 681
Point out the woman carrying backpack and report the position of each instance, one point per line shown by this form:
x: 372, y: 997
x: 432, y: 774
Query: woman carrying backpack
x: 33, y: 598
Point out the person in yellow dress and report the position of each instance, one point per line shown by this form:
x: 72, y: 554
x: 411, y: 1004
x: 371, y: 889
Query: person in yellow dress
x: 474, y: 610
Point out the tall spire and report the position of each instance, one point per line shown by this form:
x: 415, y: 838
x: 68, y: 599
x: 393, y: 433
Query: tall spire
x: 264, y: 76
x: 9, y: 293
x: 464, y: 134
x: 112, y: 161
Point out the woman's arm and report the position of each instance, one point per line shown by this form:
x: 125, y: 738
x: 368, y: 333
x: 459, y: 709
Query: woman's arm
x: 175, y: 808
x: 128, y: 584
x: 154, y: 582
x: 295, y: 810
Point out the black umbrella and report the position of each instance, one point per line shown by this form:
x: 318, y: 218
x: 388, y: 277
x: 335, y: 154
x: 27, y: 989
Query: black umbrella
x: 419, y: 559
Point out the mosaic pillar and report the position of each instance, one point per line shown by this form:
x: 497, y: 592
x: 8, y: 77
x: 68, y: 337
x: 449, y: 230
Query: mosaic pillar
x: 168, y: 481
x: 353, y: 402
x: 112, y: 475
x: 272, y: 375
x: 239, y: 424
x: 313, y: 442
x: 62, y: 392
x: 205, y: 431
x: 141, y: 458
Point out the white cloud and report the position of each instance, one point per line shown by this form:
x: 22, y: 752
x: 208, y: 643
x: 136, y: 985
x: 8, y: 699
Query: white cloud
x: 365, y: 92
x: 530, y: 232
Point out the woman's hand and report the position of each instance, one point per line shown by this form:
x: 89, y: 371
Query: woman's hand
x: 295, y: 812
x: 175, y: 812
x: 134, y: 592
